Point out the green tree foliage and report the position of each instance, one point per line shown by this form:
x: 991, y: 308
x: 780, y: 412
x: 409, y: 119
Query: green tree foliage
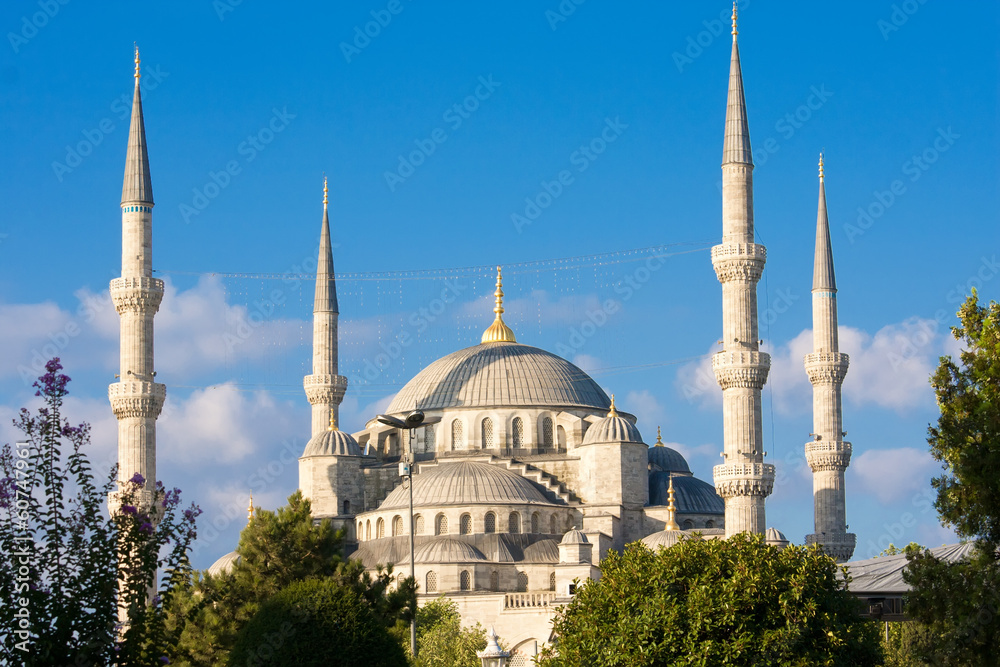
x: 66, y: 565
x: 959, y: 603
x: 966, y: 438
x: 316, y: 623
x: 715, y: 602
x: 276, y: 549
x: 441, y: 639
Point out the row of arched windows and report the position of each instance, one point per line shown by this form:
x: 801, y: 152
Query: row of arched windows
x: 465, y: 581
x: 547, y: 439
x: 465, y: 525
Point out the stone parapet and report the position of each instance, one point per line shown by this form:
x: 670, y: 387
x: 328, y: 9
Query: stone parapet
x: 742, y: 262
x: 136, y: 398
x: 743, y: 479
x: 741, y: 368
x: 324, y: 389
x: 826, y: 367
x: 828, y: 455
x: 136, y: 295
x: 839, y: 546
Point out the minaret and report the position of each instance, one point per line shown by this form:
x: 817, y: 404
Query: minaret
x: 828, y: 454
x: 325, y: 388
x: 743, y: 479
x: 136, y: 399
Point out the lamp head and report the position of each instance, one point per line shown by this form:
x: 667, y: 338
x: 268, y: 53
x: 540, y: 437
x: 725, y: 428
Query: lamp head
x: 414, y: 419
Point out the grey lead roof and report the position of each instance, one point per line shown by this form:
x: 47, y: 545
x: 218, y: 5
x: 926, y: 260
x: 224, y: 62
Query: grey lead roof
x: 326, y: 284
x: 137, y: 186
x: 823, y: 277
x: 737, y: 143
x: 465, y: 483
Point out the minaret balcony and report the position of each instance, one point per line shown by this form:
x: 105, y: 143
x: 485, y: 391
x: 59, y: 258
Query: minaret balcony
x: 743, y: 479
x: 323, y: 388
x: 838, y: 546
x: 136, y: 294
x: 826, y: 367
x: 739, y: 262
x: 828, y: 454
x: 746, y: 369
x: 137, y: 398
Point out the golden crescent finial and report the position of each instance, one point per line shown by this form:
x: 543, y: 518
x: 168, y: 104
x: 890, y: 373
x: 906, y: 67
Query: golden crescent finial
x: 137, y: 75
x: 498, y: 308
x: 735, y: 31
x: 659, y: 440
x: 671, y: 507
x: 325, y: 191
x: 498, y: 332
x: 821, y: 166
x: 250, y: 509
x: 333, y: 421
x: 612, y: 412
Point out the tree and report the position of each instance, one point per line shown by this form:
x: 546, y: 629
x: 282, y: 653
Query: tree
x: 276, y: 549
x: 67, y: 567
x: 316, y: 623
x: 966, y: 438
x: 714, y: 602
x: 441, y: 639
x: 959, y: 603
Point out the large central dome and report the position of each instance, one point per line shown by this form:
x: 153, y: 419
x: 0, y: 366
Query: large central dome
x: 500, y: 374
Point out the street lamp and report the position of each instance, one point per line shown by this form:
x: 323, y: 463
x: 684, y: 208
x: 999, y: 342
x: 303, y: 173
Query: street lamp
x: 493, y: 655
x: 413, y: 421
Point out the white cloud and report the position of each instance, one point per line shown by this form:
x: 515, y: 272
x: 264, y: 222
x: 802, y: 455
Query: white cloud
x: 648, y: 411
x: 697, y: 384
x: 893, y: 475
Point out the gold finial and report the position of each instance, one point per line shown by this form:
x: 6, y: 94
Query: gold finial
x: 499, y: 332
x: 671, y: 508
x: 333, y: 421
x: 735, y: 31
x: 821, y: 166
x: 250, y: 509
x: 325, y: 191
x: 659, y: 440
x: 137, y: 75
x: 612, y: 412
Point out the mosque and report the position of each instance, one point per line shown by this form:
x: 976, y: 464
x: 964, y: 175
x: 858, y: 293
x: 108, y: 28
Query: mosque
x: 524, y: 473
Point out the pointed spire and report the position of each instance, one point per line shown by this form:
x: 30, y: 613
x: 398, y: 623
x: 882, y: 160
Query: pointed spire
x: 498, y: 332
x: 326, y: 283
x: 612, y: 412
x: 250, y: 509
x: 137, y: 186
x: 671, y: 508
x: 823, y: 277
x: 736, y: 147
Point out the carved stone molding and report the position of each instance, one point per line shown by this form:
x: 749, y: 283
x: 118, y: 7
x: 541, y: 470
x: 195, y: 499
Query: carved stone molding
x: 826, y: 367
x: 136, y: 295
x: 324, y: 389
x: 833, y: 455
x: 739, y: 262
x: 137, y: 399
x: 839, y: 546
x: 743, y: 479
x: 744, y: 368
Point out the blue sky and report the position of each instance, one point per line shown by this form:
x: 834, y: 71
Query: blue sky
x: 901, y: 96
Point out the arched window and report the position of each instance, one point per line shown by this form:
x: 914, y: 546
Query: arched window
x: 379, y: 529
x: 361, y: 530
x: 441, y: 525
x: 429, y: 443
x: 494, y: 581
x: 432, y: 582
x: 552, y: 581
x: 490, y: 523
x: 535, y: 522
x: 552, y: 526
x: 517, y: 432
x: 514, y: 523
x: 397, y: 525
x: 547, y: 433
x: 687, y: 525
x: 522, y: 581
x: 465, y: 580
x: 457, y: 436
x: 418, y: 524
x: 465, y: 524
x: 347, y: 507
x: 368, y: 529
x: 709, y: 524
x: 487, y: 442
x: 561, y: 438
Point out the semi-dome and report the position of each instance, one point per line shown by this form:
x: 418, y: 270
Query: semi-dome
x: 224, y: 564
x: 332, y: 442
x: 692, y: 496
x: 465, y: 483
x: 445, y: 550
x: 499, y: 374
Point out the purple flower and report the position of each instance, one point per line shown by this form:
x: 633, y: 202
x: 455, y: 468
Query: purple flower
x: 129, y: 509
x: 146, y: 528
x: 138, y: 479
x: 53, y: 383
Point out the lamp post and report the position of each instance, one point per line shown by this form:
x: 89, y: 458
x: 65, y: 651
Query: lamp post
x: 493, y: 655
x: 413, y: 421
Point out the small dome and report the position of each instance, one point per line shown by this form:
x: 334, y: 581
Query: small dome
x: 446, y: 550
x: 666, y: 459
x: 775, y: 537
x: 613, y: 428
x: 574, y: 537
x: 691, y: 495
x: 664, y: 538
x: 224, y: 564
x: 465, y: 483
x: 332, y: 442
